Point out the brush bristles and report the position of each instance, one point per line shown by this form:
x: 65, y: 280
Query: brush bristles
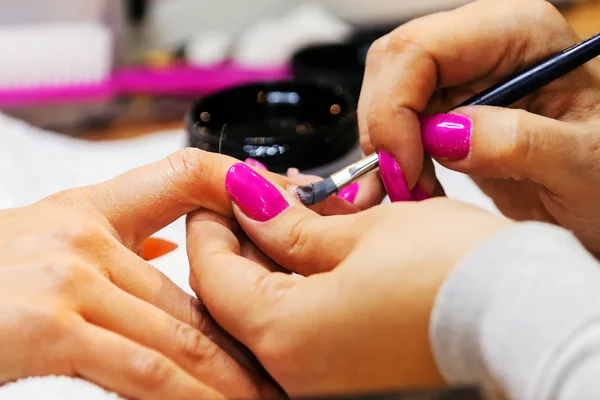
x: 306, y: 194
x: 316, y: 192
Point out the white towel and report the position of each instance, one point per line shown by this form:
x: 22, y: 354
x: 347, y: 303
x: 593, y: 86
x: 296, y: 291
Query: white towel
x: 54, y: 388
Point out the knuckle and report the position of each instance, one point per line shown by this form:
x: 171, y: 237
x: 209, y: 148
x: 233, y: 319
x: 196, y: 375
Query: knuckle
x: 504, y: 151
x: 151, y: 370
x: 80, y: 228
x: 84, y: 233
x: 298, y: 240
x: 194, y: 345
x: 50, y: 325
x: 378, y: 47
x: 189, y: 165
x: 404, y: 41
x: 544, y: 10
x: 374, y: 118
x: 199, y: 316
x: 521, y: 138
x: 66, y: 275
x: 66, y: 197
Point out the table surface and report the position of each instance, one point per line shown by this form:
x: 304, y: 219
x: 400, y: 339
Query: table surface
x: 584, y: 18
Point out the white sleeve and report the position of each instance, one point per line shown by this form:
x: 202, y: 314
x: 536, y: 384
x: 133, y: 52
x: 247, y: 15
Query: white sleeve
x: 522, y: 314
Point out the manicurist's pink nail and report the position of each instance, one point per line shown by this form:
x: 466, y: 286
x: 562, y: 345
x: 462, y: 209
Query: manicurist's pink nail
x: 393, y: 177
x: 255, y: 195
x: 256, y: 164
x: 349, y: 192
x: 418, y: 194
x: 447, y: 135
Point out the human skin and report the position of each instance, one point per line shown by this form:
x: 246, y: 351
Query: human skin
x: 538, y: 160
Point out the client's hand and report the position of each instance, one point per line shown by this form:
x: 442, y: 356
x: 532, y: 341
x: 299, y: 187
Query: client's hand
x: 362, y: 322
x: 539, y: 161
x: 75, y: 299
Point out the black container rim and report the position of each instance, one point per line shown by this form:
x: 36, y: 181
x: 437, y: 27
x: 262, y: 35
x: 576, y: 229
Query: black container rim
x: 344, y: 134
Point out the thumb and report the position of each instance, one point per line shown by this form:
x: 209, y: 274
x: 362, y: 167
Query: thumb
x: 495, y: 142
x: 292, y: 235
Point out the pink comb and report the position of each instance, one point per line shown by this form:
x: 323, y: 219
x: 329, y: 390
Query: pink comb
x: 177, y: 80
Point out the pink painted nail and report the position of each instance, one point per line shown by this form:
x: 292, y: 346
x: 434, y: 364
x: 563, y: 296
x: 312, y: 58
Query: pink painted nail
x: 349, y: 192
x: 418, y: 194
x: 256, y: 164
x: 393, y: 177
x: 255, y: 195
x: 447, y: 135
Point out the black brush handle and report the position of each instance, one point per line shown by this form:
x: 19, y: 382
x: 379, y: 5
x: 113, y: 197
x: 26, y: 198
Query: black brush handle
x: 526, y: 82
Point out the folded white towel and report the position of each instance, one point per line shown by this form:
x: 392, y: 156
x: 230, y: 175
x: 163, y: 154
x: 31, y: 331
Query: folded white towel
x: 54, y: 388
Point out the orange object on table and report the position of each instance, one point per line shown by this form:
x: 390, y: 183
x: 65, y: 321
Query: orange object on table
x: 153, y: 248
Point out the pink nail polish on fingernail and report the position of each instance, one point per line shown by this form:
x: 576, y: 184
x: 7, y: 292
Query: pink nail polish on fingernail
x: 393, y: 177
x: 256, y: 164
x: 256, y: 196
x: 418, y: 194
x: 447, y: 135
x: 349, y: 192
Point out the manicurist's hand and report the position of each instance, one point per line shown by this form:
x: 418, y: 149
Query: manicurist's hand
x: 537, y: 161
x: 76, y: 299
x: 356, y: 317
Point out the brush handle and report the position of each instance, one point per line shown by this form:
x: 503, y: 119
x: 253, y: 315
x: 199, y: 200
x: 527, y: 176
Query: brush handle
x: 526, y: 82
x: 346, y: 176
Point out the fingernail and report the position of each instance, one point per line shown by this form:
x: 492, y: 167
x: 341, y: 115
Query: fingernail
x: 393, y: 177
x: 349, y: 192
x: 293, y: 173
x: 256, y: 164
x: 447, y: 135
x: 418, y: 194
x: 255, y: 195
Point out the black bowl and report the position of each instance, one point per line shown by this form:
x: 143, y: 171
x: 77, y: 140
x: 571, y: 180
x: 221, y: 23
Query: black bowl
x: 334, y: 64
x: 281, y: 124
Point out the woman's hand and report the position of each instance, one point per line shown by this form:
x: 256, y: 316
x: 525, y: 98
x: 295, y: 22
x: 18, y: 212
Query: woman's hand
x: 538, y: 161
x: 359, y: 322
x: 76, y: 299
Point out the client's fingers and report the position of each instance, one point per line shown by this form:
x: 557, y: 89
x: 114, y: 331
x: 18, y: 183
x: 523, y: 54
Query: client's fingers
x: 289, y: 233
x: 142, y: 201
x: 105, y: 305
x: 253, y: 293
x: 135, y: 371
x: 137, y: 277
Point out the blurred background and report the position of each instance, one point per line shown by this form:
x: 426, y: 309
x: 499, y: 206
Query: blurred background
x: 106, y: 69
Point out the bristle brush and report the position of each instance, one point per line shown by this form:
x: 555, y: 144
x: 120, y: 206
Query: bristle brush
x: 500, y: 95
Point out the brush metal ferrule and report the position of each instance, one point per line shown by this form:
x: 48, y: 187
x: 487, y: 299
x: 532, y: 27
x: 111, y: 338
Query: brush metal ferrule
x: 351, y: 173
